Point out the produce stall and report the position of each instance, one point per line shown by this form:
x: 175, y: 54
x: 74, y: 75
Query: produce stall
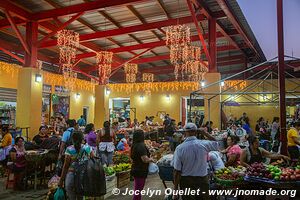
x: 259, y: 176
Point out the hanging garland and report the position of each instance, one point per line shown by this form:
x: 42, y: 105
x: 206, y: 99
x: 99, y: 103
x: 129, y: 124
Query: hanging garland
x: 156, y: 86
x: 7, y: 68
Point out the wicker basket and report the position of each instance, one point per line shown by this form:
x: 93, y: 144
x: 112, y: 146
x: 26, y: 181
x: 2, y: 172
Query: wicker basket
x: 228, y: 183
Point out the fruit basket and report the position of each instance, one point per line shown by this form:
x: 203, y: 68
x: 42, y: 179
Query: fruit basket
x: 229, y: 183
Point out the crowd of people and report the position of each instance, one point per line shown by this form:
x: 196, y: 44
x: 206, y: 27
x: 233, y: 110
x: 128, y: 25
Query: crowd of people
x: 195, y: 149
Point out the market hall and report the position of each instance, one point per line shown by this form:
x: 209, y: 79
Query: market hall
x: 145, y: 95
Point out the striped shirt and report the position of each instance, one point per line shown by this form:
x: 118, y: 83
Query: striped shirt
x: 191, y: 156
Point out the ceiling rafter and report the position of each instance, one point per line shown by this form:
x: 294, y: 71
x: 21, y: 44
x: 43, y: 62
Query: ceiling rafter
x: 143, y: 21
x: 89, y: 45
x: 149, y: 45
x: 128, y: 30
x: 161, y: 5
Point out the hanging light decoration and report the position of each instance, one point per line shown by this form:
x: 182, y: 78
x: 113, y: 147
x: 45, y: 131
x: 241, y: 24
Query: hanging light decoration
x: 148, y: 78
x: 178, y: 36
x: 68, y: 42
x: 131, y: 70
x: 191, y: 53
x: 104, y: 61
x: 69, y: 76
x: 197, y: 70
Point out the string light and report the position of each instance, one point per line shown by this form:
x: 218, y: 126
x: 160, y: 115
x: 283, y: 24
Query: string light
x: 104, y: 61
x: 131, y: 70
x: 178, y: 35
x: 69, y: 77
x: 148, y: 78
x: 68, y: 42
x: 156, y: 86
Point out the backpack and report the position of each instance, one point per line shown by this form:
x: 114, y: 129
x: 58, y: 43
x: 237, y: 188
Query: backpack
x: 69, y: 142
x: 89, y: 177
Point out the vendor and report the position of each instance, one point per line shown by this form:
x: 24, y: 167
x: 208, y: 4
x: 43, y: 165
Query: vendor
x: 5, y: 144
x: 123, y: 145
x: 149, y: 121
x: 7, y: 138
x: 294, y: 140
x: 254, y: 153
x: 18, y: 165
x: 233, y: 151
x: 41, y: 136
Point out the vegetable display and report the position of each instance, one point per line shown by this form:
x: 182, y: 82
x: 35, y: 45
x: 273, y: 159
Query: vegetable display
x: 231, y: 173
x: 122, y: 167
x: 121, y: 157
x: 109, y: 171
x: 274, y: 172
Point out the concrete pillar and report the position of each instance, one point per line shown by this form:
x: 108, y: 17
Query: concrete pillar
x: 212, y: 112
x: 29, y: 100
x: 101, y: 111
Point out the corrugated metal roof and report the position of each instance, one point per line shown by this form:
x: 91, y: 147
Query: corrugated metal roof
x: 121, y: 16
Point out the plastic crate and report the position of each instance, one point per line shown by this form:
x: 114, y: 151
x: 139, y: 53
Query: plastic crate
x: 166, y: 173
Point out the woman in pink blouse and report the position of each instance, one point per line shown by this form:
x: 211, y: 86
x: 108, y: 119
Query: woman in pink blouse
x: 233, y: 151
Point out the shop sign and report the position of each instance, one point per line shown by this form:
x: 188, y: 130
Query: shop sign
x: 47, y: 88
x: 61, y: 90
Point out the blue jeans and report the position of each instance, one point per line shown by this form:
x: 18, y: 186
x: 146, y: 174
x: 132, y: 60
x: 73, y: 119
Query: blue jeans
x: 70, y: 188
x: 106, y: 157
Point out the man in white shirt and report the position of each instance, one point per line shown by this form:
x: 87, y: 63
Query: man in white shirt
x: 191, y: 163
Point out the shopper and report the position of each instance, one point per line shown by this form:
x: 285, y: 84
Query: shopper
x: 233, y: 151
x: 254, y: 153
x: 190, y: 163
x: 90, y: 137
x: 73, y: 153
x: 140, y: 162
x: 66, y: 140
x: 294, y: 140
x: 170, y: 130
x: 5, y: 144
x: 41, y: 136
x: 81, y: 121
x: 208, y: 126
x: 274, y: 128
x: 18, y: 165
x: 106, y: 140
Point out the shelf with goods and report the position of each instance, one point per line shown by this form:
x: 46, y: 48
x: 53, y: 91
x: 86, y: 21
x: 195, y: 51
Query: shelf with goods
x: 8, y: 115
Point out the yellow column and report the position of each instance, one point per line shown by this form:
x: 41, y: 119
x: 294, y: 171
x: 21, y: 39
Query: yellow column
x: 212, y: 112
x: 29, y: 100
x: 101, y: 106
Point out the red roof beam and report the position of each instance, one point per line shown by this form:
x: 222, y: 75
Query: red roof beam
x: 191, y: 8
x: 235, y: 23
x: 83, y: 7
x: 12, y: 55
x: 62, y: 26
x: 21, y: 13
x: 127, y: 30
x: 137, y: 47
x: 17, y: 31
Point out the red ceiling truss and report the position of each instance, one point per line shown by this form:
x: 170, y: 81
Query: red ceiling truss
x: 146, y: 36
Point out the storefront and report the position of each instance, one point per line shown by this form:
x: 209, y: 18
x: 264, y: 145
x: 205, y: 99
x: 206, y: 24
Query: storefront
x: 119, y: 109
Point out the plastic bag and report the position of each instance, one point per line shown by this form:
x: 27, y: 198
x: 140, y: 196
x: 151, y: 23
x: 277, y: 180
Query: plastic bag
x: 59, y: 194
x: 53, y: 182
x: 153, y: 169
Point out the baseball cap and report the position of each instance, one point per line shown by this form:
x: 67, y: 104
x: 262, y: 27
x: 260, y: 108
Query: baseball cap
x: 190, y: 127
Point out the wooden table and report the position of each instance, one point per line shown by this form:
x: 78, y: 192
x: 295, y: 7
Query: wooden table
x: 35, y: 157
